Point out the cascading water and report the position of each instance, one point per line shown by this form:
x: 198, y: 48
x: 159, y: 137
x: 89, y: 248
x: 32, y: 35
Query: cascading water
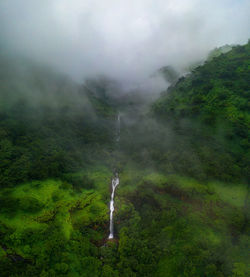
x: 114, y: 183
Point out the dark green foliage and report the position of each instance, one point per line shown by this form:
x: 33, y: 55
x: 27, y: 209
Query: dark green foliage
x: 209, y: 110
x: 9, y: 204
x: 30, y: 204
x: 79, y: 182
x: 47, y: 125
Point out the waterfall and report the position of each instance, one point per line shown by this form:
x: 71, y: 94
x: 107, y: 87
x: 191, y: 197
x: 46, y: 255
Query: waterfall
x: 114, y: 183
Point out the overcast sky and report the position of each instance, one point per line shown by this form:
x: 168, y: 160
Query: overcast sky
x: 126, y: 39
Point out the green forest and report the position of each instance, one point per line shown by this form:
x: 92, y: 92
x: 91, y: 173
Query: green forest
x: 182, y: 207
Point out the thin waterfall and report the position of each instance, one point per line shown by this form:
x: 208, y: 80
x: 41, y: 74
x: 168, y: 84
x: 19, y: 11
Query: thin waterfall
x: 115, y: 182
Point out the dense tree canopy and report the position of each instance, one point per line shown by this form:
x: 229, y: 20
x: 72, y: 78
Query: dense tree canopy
x: 210, y: 109
x: 182, y: 206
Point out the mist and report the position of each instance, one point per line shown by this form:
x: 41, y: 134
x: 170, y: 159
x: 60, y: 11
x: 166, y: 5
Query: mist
x: 126, y: 40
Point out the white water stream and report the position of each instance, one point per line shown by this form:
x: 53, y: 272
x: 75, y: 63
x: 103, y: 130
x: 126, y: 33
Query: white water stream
x: 115, y: 182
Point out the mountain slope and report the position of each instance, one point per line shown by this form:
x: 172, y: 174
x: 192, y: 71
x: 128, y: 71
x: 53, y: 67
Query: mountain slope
x: 49, y: 124
x: 182, y: 205
x: 213, y: 101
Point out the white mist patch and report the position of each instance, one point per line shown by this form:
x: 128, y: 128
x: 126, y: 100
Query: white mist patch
x: 127, y: 40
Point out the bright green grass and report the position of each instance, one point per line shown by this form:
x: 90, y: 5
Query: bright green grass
x: 95, y: 211
x: 231, y: 194
x: 65, y: 207
x: 41, y: 190
x: 132, y: 177
x: 234, y: 195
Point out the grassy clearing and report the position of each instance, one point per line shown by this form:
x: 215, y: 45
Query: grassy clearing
x: 234, y: 195
x: 42, y: 204
x: 231, y: 194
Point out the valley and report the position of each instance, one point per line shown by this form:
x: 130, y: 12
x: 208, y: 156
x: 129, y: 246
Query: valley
x: 93, y: 184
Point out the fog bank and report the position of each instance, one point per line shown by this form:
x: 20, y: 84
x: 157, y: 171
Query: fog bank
x: 128, y: 40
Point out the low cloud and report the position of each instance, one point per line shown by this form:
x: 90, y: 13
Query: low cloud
x: 125, y: 39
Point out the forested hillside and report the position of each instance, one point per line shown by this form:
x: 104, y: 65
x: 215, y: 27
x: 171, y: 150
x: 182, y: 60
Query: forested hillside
x: 56, y: 138
x: 210, y: 109
x: 49, y: 124
x: 182, y: 205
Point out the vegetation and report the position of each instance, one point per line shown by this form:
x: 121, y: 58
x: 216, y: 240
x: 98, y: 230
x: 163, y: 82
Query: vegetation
x: 182, y: 206
x: 176, y: 226
x: 48, y: 125
x: 48, y: 228
x: 209, y: 110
